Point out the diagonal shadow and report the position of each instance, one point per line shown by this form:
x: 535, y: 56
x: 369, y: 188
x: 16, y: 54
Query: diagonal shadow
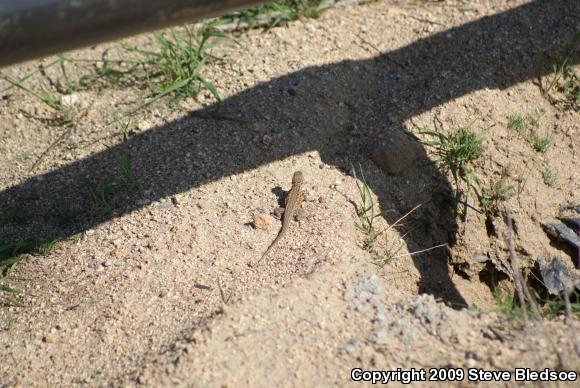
x: 314, y: 108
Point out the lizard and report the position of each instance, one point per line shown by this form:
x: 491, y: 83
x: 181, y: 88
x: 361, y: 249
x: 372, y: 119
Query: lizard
x: 293, y: 201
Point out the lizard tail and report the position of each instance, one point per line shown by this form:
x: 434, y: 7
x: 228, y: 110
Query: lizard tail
x: 264, y: 255
x: 271, y: 246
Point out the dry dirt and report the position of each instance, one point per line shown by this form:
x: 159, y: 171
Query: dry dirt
x: 136, y: 296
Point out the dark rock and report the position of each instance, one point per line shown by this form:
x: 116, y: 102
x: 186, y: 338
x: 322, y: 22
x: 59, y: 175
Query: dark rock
x: 396, y: 154
x: 556, y: 276
x: 563, y: 233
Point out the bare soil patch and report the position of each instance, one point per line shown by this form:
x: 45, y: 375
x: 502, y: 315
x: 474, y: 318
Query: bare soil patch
x: 156, y: 211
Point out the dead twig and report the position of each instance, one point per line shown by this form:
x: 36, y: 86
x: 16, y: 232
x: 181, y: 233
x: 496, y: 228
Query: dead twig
x: 63, y: 136
x: 422, y: 20
x: 521, y: 288
x: 570, y: 320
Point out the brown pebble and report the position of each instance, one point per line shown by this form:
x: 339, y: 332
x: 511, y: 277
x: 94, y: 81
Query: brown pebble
x: 262, y: 221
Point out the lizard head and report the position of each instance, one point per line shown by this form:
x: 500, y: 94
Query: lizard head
x: 297, y: 178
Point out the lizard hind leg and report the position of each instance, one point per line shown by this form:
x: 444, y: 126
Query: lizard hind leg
x: 299, y: 214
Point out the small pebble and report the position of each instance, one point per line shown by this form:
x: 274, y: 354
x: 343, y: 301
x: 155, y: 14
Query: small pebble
x: 164, y: 205
x: 278, y: 212
x: 300, y: 215
x: 143, y: 125
x: 267, y: 139
x: 258, y: 127
x: 69, y: 100
x: 262, y: 221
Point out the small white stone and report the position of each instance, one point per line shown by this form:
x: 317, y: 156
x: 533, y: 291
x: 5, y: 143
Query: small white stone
x: 143, y: 125
x: 69, y: 100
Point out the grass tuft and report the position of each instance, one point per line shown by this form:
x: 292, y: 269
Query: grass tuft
x: 6, y: 293
x: 273, y: 14
x: 64, y: 115
x: 102, y: 194
x: 517, y: 123
x: 549, y: 177
x: 565, y: 81
x: 496, y: 192
x: 17, y: 216
x: 176, y: 67
x: 392, y: 249
x: 508, y: 306
x: 366, y: 210
x: 455, y: 154
x: 528, y: 127
x: 127, y: 176
x: 542, y: 143
x: 65, y: 213
x: 554, y: 308
x: 10, y: 255
x: 44, y: 248
x: 223, y: 297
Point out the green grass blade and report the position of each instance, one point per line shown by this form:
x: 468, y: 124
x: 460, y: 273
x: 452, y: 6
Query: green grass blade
x: 211, y: 88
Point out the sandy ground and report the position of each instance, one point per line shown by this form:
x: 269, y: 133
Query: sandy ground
x: 135, y: 295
